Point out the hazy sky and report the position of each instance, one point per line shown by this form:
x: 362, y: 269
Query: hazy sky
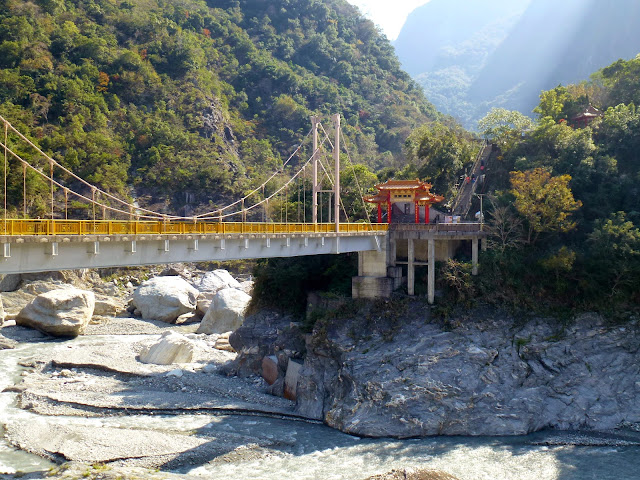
x: 388, y: 14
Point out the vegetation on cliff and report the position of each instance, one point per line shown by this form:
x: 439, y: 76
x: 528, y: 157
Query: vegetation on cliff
x: 195, y: 97
x: 564, y: 209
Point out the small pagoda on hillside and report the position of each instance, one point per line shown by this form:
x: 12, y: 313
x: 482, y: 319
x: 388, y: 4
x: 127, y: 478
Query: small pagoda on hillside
x: 584, y: 118
x: 412, y: 193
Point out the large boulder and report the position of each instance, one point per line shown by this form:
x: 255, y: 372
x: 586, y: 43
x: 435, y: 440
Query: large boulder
x: 172, y: 348
x: 212, y: 283
x: 165, y: 298
x: 246, y: 286
x: 2, y: 315
x: 10, y: 282
x: 61, y: 312
x: 107, y: 306
x: 226, y: 311
x: 413, y: 475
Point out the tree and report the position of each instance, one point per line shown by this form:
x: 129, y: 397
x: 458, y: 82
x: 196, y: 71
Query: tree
x: 437, y: 153
x: 615, y: 254
x: 504, y: 227
x: 502, y: 125
x: 355, y: 182
x: 552, y: 103
x: 545, y: 202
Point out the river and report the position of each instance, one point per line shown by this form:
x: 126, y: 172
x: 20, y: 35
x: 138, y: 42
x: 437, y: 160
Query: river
x: 310, y: 451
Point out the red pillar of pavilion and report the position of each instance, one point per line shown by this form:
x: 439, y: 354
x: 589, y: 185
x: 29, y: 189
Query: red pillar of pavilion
x: 426, y: 213
x: 388, y: 212
x: 379, y: 213
x: 417, y: 208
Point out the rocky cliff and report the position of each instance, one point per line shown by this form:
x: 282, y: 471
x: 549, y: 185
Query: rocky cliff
x: 484, y: 373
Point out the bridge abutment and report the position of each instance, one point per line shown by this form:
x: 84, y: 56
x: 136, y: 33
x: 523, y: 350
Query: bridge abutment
x: 373, y: 280
x: 413, y: 246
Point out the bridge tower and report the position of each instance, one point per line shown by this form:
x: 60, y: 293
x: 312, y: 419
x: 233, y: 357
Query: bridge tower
x: 317, y: 187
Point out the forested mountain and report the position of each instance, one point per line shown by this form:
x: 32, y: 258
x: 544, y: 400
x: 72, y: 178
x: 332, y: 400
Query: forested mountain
x: 493, y: 53
x: 194, y: 96
x: 564, y: 200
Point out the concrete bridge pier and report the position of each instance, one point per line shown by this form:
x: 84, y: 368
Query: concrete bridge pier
x: 421, y: 246
x: 373, y: 280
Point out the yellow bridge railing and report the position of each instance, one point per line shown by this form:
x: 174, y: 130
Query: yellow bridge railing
x: 34, y: 227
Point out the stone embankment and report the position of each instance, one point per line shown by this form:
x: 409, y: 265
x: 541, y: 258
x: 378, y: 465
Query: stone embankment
x: 403, y: 373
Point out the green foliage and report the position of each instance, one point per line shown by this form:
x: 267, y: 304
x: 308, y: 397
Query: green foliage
x: 589, y: 258
x: 197, y: 98
x: 437, y: 153
x: 545, y: 202
x: 504, y: 126
x: 284, y: 283
x: 614, y: 247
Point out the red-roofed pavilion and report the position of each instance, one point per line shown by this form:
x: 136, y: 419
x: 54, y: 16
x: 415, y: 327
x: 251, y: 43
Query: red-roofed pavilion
x: 413, y: 192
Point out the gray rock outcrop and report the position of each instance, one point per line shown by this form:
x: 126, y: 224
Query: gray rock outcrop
x: 60, y: 312
x: 266, y: 334
x: 226, y: 311
x: 2, y: 314
x: 483, y: 378
x: 10, y: 282
x: 172, y: 348
x: 165, y: 298
x: 484, y: 373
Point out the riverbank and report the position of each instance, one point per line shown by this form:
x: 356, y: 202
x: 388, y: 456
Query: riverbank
x: 394, y: 369
x: 88, y: 408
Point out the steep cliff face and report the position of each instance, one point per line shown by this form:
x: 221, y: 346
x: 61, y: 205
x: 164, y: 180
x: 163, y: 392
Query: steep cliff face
x: 483, y: 377
x: 478, y: 375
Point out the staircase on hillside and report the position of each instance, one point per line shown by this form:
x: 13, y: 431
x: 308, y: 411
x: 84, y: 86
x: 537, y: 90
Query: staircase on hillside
x: 462, y: 203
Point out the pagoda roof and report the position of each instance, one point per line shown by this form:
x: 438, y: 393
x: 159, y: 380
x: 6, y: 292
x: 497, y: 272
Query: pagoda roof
x: 589, y: 112
x: 421, y: 193
x: 428, y: 197
x: 403, y: 185
x: 378, y: 198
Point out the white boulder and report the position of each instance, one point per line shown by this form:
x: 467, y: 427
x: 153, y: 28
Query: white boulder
x: 165, y: 298
x: 172, y: 348
x: 226, y: 311
x: 60, y: 312
x: 246, y: 286
x: 107, y: 306
x: 212, y: 283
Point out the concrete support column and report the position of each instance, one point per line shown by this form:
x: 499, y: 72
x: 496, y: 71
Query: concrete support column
x: 411, y: 271
x: 392, y: 252
x: 474, y: 256
x: 431, y: 276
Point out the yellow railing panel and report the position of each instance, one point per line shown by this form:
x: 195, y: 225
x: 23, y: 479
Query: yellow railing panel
x: 35, y: 227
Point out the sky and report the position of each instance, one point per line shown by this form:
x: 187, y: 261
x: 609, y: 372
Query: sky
x: 388, y: 14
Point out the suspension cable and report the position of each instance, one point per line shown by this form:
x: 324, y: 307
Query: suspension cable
x: 353, y: 169
x: 69, y: 172
x: 24, y: 190
x: 6, y: 135
x: 257, y: 189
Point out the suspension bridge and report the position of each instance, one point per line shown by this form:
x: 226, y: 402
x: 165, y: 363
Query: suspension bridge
x: 117, y: 232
